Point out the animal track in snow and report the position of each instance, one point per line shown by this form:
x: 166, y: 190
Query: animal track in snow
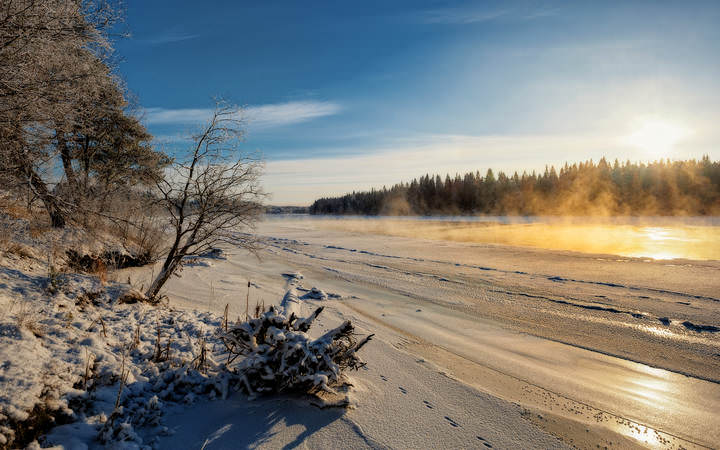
x: 452, y: 422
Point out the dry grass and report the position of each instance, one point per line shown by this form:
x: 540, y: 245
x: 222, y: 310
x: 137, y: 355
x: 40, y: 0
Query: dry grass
x: 162, y: 353
x: 53, y: 272
x: 42, y: 418
x: 15, y: 248
x: 15, y: 208
x: 38, y: 229
x: 99, y: 269
x: 26, y: 316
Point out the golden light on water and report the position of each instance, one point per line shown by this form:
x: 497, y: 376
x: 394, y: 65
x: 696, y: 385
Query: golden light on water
x: 651, y: 387
x: 651, y: 391
x: 678, y: 242
x: 637, y: 241
x: 644, y: 434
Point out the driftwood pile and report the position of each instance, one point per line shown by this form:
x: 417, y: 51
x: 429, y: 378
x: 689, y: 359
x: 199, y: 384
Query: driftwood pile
x: 276, y: 355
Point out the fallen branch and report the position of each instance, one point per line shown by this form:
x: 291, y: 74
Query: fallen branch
x: 278, y: 356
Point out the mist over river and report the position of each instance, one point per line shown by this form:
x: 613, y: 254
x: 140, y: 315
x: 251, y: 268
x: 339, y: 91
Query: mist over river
x: 662, y: 238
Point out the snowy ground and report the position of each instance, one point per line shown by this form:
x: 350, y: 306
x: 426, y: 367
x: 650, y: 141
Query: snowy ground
x: 476, y: 346
x: 602, y: 348
x: 400, y: 400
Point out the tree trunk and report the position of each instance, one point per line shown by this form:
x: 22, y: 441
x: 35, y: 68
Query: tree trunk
x: 21, y: 167
x: 57, y: 217
x: 66, y: 160
x: 157, y: 284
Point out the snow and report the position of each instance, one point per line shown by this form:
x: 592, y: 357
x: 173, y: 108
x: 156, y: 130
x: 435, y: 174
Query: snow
x: 156, y: 395
x: 475, y: 347
x: 68, y: 355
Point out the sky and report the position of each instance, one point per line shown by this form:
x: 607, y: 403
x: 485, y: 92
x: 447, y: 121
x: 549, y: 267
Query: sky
x: 343, y: 96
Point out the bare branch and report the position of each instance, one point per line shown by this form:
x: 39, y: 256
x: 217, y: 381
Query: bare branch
x: 212, y: 196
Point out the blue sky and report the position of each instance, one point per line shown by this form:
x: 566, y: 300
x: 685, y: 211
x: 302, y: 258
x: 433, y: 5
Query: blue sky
x: 347, y: 95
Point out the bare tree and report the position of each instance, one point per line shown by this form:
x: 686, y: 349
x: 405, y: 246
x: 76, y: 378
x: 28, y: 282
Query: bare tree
x: 212, y: 197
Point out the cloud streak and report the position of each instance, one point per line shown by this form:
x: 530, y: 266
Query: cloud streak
x: 257, y: 116
x: 467, y: 16
x: 264, y: 116
x: 167, y: 38
x: 458, y: 16
x: 163, y: 116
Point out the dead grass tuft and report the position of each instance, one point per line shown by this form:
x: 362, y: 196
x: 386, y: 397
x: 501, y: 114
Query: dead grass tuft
x: 132, y: 296
x: 42, y: 418
x: 15, y: 248
x: 29, y: 319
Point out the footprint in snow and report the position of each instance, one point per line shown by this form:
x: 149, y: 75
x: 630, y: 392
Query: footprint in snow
x: 428, y: 404
x: 452, y: 422
x: 402, y: 389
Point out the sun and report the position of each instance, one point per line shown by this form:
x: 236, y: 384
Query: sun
x: 656, y: 137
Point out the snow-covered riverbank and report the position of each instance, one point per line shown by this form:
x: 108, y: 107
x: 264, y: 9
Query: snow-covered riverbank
x: 476, y: 345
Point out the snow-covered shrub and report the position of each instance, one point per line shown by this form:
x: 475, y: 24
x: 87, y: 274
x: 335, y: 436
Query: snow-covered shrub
x: 279, y: 356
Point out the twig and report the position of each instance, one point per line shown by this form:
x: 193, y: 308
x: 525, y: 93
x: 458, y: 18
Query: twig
x: 87, y: 369
x: 102, y: 322
x: 123, y: 379
x: 247, y: 303
x: 136, y: 340
x: 225, y: 317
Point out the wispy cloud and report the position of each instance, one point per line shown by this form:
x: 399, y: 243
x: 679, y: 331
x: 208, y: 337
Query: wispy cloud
x: 155, y: 116
x: 467, y: 16
x: 166, y: 38
x: 289, y: 113
x: 257, y: 116
x: 541, y: 13
x: 169, y: 139
x: 458, y: 16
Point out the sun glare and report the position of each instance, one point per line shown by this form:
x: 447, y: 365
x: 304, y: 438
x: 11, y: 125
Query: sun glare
x: 656, y: 137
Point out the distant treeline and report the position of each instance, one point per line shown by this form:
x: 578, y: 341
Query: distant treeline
x: 588, y: 188
x: 271, y: 209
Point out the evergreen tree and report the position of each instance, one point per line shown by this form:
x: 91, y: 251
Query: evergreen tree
x: 587, y: 188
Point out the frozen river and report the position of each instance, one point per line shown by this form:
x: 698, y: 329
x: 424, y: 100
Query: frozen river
x: 695, y: 238
x: 594, y: 342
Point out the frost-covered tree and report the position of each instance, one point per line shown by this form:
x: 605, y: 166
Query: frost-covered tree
x: 39, y: 45
x: 63, y: 113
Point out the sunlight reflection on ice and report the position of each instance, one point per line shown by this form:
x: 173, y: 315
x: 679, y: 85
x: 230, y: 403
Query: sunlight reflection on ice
x: 675, y: 241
